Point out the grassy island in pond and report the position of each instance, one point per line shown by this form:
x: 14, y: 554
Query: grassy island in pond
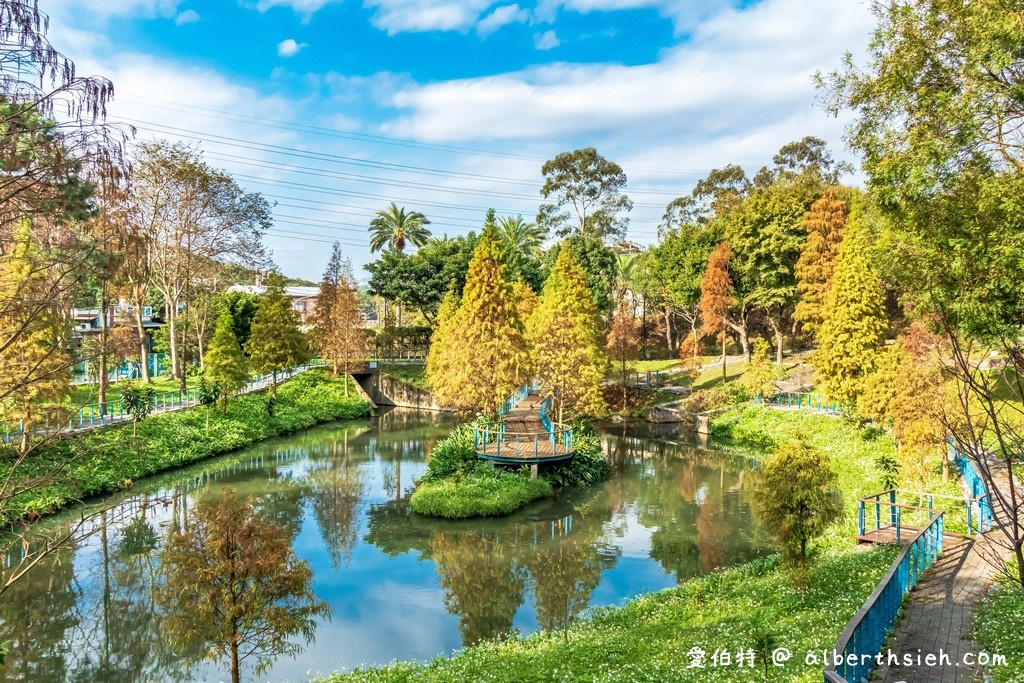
x: 108, y: 460
x: 458, y: 485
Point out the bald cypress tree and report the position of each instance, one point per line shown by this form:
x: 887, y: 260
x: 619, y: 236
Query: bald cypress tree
x: 564, y: 335
x: 276, y: 342
x: 853, y: 317
x: 716, y: 297
x: 35, y: 365
x: 225, y: 364
x: 825, y: 223
x: 481, y: 355
x: 442, y: 372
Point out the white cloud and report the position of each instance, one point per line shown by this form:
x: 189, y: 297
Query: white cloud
x: 501, y: 16
x: 189, y: 16
x: 289, y: 48
x: 301, y: 6
x: 743, y: 70
x: 546, y: 41
x: 398, y: 16
x: 101, y: 9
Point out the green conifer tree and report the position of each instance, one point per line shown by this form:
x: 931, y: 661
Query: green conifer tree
x: 225, y: 365
x: 35, y: 365
x: 481, y: 356
x: 564, y: 336
x: 276, y: 342
x: 853, y: 317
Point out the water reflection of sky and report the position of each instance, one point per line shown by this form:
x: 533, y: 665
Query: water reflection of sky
x: 400, y: 586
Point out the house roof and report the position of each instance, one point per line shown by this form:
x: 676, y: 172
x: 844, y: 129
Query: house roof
x: 293, y: 292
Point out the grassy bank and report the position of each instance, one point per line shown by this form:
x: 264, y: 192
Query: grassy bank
x: 414, y: 374
x: 998, y: 629
x: 107, y: 460
x: 650, y: 638
x: 458, y: 485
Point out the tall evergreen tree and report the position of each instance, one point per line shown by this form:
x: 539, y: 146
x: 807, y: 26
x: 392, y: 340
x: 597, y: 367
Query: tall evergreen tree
x: 442, y: 369
x: 563, y: 332
x: 276, y: 342
x: 337, y: 333
x: 483, y: 355
x: 225, y: 363
x: 35, y: 363
x: 854, y: 323
x: 824, y: 223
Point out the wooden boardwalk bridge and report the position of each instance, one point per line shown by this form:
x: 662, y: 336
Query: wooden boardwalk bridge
x: 525, y: 434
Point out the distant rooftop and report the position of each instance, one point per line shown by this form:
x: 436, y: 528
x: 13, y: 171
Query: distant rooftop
x: 258, y: 290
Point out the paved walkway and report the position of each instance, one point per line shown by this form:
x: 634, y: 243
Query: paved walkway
x: 938, y: 614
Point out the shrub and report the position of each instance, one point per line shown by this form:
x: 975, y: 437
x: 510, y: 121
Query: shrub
x: 453, y: 456
x: 588, y: 466
x: 706, y: 399
x: 795, y: 496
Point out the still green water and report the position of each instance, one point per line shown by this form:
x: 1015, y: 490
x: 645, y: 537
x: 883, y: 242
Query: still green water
x: 400, y: 586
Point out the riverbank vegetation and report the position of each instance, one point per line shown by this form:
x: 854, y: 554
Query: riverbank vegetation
x: 657, y: 636
x: 102, y: 461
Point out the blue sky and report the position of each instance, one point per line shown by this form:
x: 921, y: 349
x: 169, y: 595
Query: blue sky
x: 334, y: 108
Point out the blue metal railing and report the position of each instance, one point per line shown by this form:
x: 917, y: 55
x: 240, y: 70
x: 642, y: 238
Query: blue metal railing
x: 800, y: 401
x: 545, y: 409
x: 855, y: 653
x: 512, y: 401
x: 981, y: 522
x: 493, y: 442
x: 112, y: 412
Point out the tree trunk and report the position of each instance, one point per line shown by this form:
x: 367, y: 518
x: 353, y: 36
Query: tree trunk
x: 725, y: 376
x: 172, y: 336
x: 672, y: 346
x: 143, y: 351
x: 776, y: 326
x: 346, y: 376
x: 236, y: 674
x: 101, y: 390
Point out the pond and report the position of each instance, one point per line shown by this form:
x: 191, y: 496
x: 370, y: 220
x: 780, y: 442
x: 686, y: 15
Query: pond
x: 400, y: 586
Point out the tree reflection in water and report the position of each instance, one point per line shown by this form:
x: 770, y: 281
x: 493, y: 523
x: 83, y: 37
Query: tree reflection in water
x: 670, y: 511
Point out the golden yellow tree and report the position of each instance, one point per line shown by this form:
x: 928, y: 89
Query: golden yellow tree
x: 35, y: 364
x: 563, y: 333
x: 479, y: 356
x: 825, y: 223
x: 853, y: 317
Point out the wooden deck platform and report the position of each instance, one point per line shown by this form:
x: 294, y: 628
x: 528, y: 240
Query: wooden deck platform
x: 887, y: 535
x: 523, y: 438
x: 526, y: 449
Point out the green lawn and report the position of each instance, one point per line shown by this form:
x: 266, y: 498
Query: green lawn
x: 413, y: 374
x: 655, y: 365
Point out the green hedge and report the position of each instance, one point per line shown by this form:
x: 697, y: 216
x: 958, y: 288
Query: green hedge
x: 108, y: 460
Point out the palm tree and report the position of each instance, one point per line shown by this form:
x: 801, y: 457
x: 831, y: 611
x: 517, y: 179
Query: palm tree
x: 393, y: 226
x: 521, y: 236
